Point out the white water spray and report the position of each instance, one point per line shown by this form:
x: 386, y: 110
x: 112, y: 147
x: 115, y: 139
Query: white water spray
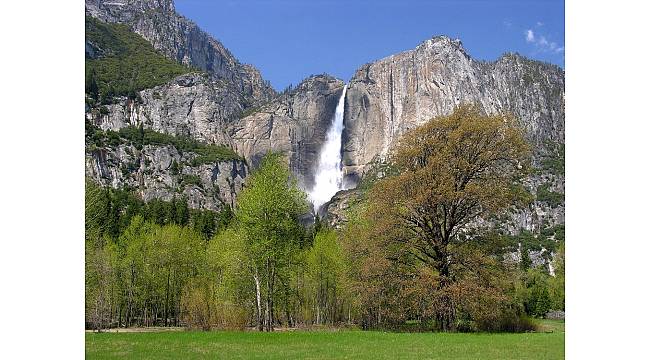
x: 329, y: 174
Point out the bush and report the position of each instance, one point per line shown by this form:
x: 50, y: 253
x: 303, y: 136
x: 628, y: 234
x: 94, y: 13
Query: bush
x: 191, y: 180
x: 514, y: 323
x: 197, y: 312
x: 536, y: 295
x: 553, y: 199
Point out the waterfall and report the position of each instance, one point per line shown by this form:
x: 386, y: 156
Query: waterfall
x: 329, y: 174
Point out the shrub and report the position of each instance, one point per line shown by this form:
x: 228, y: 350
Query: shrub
x: 511, y: 322
x: 553, y: 199
x: 191, y: 180
x: 197, y: 308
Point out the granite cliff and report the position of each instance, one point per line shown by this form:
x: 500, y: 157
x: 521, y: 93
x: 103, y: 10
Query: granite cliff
x: 392, y: 95
x: 182, y: 40
x: 295, y: 124
x: 227, y: 103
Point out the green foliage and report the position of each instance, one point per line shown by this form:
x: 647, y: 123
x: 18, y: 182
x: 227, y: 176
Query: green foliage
x: 190, y: 179
x: 268, y: 214
x: 138, y: 137
x: 250, y: 111
x: 537, y: 299
x: 525, y: 259
x: 109, y: 211
x: 548, y: 239
x: 553, y: 160
x: 204, y: 222
x: 325, y: 279
x: 269, y: 208
x: 553, y: 199
x: 175, y: 169
x: 556, y: 283
x: 129, y: 63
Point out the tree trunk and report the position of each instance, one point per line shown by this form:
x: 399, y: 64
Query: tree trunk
x: 259, y: 300
x: 167, y: 298
x: 269, y: 295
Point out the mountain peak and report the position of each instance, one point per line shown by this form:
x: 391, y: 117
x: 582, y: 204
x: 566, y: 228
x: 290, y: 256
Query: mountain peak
x: 126, y: 10
x: 444, y: 41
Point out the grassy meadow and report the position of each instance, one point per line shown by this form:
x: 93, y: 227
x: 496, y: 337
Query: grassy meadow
x: 548, y: 343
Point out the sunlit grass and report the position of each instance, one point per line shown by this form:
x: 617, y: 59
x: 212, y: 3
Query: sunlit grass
x: 327, y: 345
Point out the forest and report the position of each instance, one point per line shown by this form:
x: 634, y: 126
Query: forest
x: 421, y: 250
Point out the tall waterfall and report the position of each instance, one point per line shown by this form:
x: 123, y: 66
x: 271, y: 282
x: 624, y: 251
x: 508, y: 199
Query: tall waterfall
x: 329, y: 174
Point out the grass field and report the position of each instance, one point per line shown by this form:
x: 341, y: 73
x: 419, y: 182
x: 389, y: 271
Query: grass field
x: 327, y: 345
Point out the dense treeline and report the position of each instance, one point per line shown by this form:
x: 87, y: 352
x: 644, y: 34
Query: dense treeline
x: 409, y: 258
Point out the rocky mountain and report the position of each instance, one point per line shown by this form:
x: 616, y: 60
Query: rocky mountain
x: 182, y: 40
x: 163, y: 172
x: 388, y: 97
x: 392, y: 95
x: 295, y: 124
x: 229, y: 103
x: 195, y: 105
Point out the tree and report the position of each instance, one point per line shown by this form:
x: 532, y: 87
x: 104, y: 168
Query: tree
x: 325, y: 274
x: 204, y: 222
x: 92, y: 88
x: 452, y: 170
x: 268, y: 212
x: 556, y: 283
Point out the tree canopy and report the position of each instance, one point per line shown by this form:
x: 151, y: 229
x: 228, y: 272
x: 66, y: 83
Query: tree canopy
x: 450, y: 171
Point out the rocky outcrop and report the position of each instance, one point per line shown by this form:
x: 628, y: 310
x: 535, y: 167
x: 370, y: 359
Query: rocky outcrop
x: 295, y: 124
x: 390, y: 96
x: 194, y: 105
x: 182, y: 40
x: 163, y: 172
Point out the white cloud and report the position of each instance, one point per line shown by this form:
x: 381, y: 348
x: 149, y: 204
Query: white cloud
x: 541, y: 43
x: 530, y: 36
x: 540, y: 24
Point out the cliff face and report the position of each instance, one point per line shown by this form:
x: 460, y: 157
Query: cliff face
x: 182, y: 40
x: 195, y: 105
x: 162, y: 172
x: 395, y: 94
x: 231, y: 104
x: 295, y: 123
x: 192, y: 105
x: 388, y: 97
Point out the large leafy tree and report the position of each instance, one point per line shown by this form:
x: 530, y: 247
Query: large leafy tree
x: 268, y: 212
x: 451, y: 171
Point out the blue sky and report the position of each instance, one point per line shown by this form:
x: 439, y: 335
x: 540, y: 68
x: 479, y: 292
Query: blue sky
x: 289, y: 40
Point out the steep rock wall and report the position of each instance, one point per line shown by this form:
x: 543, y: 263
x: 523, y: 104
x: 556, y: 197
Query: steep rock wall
x: 295, y: 123
x: 390, y: 96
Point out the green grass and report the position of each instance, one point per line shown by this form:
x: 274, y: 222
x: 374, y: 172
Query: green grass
x: 324, y: 345
x: 555, y: 326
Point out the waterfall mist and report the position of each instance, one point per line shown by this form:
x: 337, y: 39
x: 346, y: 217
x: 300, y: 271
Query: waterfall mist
x: 329, y: 174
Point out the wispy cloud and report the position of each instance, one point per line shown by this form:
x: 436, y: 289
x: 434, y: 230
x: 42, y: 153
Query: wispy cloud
x: 530, y: 36
x: 541, y: 43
